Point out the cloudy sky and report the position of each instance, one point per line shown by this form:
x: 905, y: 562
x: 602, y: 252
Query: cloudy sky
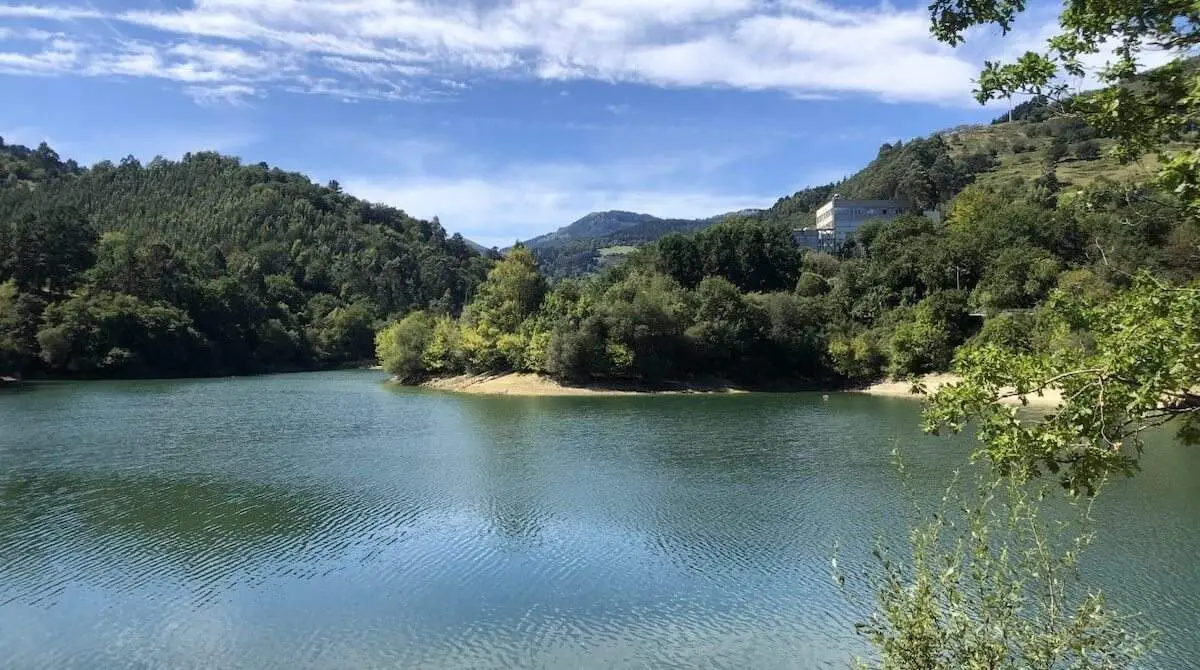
x: 505, y: 118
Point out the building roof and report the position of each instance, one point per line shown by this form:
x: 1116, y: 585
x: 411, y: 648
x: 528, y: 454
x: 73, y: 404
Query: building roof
x: 844, y: 202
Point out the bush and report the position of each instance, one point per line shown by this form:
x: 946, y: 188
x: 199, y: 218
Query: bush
x: 1010, y: 331
x: 859, y: 357
x: 925, y: 341
x: 811, y: 285
x: 577, y: 353
x: 1087, y: 150
x: 1056, y: 150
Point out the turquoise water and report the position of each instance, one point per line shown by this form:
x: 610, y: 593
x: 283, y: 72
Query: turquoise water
x: 328, y: 521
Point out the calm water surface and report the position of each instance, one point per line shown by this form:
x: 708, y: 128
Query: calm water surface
x: 327, y: 521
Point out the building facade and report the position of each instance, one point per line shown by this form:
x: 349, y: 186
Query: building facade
x: 839, y: 219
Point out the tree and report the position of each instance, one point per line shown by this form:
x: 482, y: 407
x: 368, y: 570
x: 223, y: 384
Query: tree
x: 117, y: 334
x: 1019, y: 277
x: 724, y: 326
x: 48, y: 248
x: 925, y: 341
x: 274, y: 271
x: 1144, y: 111
x: 1122, y: 364
x: 512, y: 292
x: 647, y: 315
x: 20, y: 314
x: 1055, y: 151
x: 400, y: 348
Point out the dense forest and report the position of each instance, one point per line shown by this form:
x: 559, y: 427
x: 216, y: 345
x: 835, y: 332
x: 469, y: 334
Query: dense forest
x: 738, y: 300
x: 205, y: 266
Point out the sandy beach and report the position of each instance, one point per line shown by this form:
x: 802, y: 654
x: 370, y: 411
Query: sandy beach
x: 903, y: 389
x: 529, y: 384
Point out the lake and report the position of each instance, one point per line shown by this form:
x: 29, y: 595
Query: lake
x: 327, y: 520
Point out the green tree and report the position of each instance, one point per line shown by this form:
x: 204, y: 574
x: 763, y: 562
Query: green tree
x: 512, y: 292
x: 725, y: 326
x: 48, y: 249
x: 400, y: 348
x: 1019, y: 277
x: 1055, y: 151
x: 1144, y: 117
x: 20, y: 314
x: 1087, y: 150
x: 118, y: 334
x: 647, y: 315
x: 1122, y: 364
x: 925, y: 341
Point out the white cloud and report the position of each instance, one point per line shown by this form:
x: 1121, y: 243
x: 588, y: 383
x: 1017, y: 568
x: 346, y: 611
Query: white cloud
x: 523, y: 200
x: 403, y: 49
x: 497, y: 212
x: 55, y: 13
x: 224, y: 94
x: 53, y: 57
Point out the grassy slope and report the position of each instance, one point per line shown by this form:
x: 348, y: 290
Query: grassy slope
x: 1025, y: 166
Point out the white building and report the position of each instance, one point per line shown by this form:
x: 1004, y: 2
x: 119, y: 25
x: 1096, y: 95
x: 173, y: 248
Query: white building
x: 839, y: 219
x: 845, y: 217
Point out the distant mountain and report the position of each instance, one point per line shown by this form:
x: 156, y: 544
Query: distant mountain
x: 596, y: 224
x: 477, y: 247
x: 616, y: 227
x: 602, y: 238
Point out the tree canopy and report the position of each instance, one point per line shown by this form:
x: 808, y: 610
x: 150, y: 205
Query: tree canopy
x: 205, y: 266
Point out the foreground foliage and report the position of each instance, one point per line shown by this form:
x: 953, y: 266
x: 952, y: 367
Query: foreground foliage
x: 1124, y: 360
x: 986, y: 582
x: 1123, y: 364
x: 1124, y: 355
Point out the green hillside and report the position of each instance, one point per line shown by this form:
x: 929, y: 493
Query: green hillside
x: 601, y: 239
x: 1016, y: 156
x: 1010, y: 155
x: 204, y: 266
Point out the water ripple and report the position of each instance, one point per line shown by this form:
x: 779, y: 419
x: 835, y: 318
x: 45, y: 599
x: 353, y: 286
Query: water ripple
x: 325, y: 521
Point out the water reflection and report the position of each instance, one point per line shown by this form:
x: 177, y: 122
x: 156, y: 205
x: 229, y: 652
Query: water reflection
x: 325, y: 520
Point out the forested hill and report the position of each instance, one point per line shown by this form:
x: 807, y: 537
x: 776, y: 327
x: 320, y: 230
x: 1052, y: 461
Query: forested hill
x: 1035, y: 146
x: 204, y: 266
x: 596, y: 224
x: 1036, y: 143
x: 602, y: 238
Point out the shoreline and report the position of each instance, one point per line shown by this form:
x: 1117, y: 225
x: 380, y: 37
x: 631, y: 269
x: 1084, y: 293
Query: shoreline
x: 532, y: 384
x: 1049, y: 399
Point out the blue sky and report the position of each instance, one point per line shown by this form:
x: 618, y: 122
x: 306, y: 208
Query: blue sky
x: 505, y: 118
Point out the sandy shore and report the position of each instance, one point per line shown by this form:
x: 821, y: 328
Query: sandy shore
x: 903, y: 389
x: 529, y: 384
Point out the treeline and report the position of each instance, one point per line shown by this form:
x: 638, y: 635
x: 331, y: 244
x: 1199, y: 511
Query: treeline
x: 637, y: 321
x: 739, y: 301
x: 205, y: 266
